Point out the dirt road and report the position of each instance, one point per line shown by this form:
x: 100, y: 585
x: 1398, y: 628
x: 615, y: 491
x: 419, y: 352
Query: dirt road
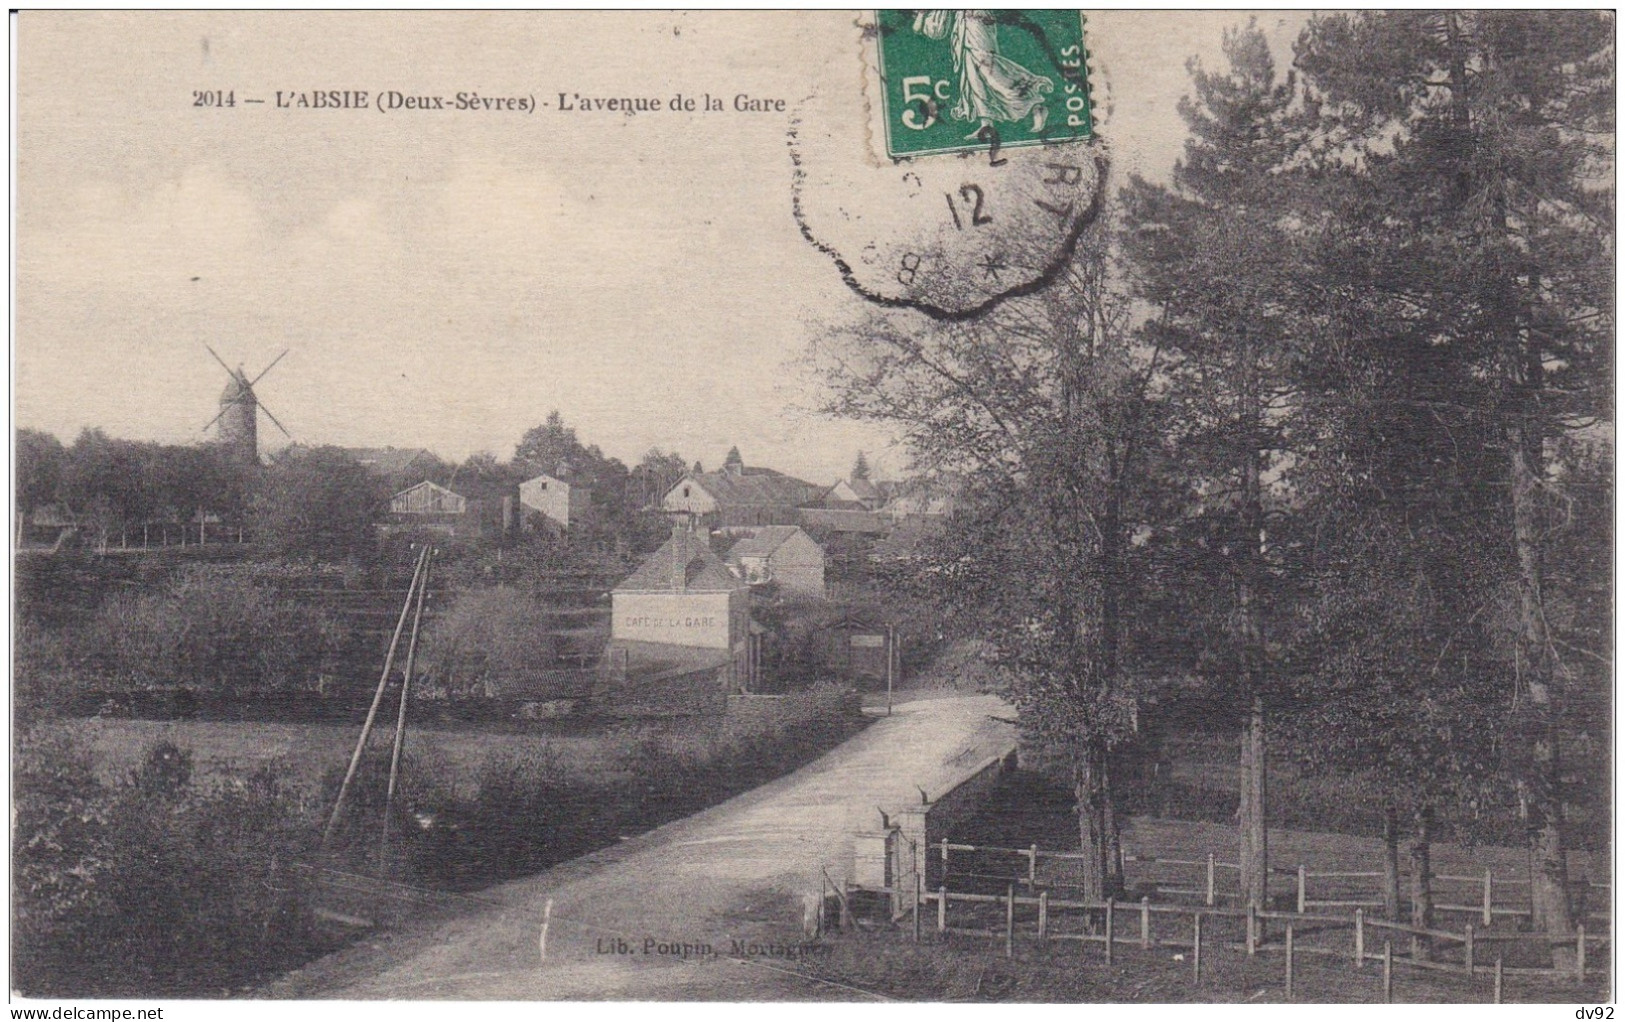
x: 708, y: 907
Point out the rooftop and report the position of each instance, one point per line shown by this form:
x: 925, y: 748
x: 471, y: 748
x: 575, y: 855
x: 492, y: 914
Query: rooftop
x: 763, y: 541
x: 386, y: 461
x: 702, y: 570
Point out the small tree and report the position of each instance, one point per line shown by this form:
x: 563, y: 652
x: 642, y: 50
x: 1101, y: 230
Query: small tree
x: 860, y: 468
x: 551, y: 445
x: 492, y: 638
x: 40, y: 462
x: 318, y: 505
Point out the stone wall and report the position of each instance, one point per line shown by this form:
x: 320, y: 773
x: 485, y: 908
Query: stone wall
x: 915, y: 828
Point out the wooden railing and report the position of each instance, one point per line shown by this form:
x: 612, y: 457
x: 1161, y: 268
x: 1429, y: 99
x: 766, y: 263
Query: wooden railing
x: 1211, y: 880
x: 1104, y: 924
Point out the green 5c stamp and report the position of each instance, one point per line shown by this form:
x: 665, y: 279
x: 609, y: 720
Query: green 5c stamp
x: 955, y: 81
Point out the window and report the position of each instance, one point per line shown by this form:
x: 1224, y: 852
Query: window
x: 685, y: 491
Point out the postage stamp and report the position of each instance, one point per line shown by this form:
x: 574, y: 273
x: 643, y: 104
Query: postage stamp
x: 956, y: 80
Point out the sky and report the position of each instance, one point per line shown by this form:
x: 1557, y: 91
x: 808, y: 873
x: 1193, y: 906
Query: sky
x: 446, y: 279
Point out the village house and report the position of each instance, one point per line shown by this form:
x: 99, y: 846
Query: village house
x: 554, y: 500
x: 397, y: 465
x: 477, y: 511
x: 680, y: 632
x: 854, y: 495
x: 740, y: 496
x: 781, y: 554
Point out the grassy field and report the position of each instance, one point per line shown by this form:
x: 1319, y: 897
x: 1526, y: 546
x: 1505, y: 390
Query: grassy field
x: 306, y: 751
x: 887, y: 962
x: 1026, y: 810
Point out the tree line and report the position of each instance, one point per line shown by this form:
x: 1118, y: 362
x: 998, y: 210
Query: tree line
x: 314, y: 502
x: 1319, y: 430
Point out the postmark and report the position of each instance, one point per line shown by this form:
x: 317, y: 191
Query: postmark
x: 965, y: 181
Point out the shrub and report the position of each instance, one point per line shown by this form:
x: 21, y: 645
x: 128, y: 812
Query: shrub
x: 156, y: 887
x: 495, y: 638
x: 43, y: 679
x: 317, y: 504
x: 210, y: 630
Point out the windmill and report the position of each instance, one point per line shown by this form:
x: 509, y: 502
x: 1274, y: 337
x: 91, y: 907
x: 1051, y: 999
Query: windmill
x: 239, y: 412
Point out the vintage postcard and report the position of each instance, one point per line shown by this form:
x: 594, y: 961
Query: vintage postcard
x: 933, y: 506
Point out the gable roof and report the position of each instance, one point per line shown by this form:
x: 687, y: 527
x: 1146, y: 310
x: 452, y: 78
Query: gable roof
x: 568, y: 479
x: 431, y: 484
x: 763, y: 541
x: 386, y: 461
x: 864, y: 489
x: 467, y: 489
x: 842, y: 520
x: 752, y: 487
x: 703, y: 570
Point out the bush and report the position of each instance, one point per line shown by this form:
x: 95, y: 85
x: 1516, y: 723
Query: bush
x: 420, y: 784
x: 213, y: 631
x: 497, y: 639
x: 319, y: 505
x: 43, y: 680
x: 154, y: 887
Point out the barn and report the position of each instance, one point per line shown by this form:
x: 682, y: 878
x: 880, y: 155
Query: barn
x: 782, y: 554
x: 476, y: 512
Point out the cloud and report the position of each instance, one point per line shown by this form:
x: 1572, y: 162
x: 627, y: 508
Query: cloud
x: 111, y: 237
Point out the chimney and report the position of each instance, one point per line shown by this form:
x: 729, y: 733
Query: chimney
x: 682, y: 527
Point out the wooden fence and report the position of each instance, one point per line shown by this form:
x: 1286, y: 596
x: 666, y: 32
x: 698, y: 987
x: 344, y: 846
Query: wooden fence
x: 1112, y: 924
x: 1216, y: 882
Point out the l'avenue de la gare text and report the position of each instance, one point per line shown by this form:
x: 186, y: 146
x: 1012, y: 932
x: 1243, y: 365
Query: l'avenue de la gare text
x: 705, y: 102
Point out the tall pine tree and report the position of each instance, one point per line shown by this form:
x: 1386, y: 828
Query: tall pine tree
x: 1477, y: 147
x: 1211, y: 254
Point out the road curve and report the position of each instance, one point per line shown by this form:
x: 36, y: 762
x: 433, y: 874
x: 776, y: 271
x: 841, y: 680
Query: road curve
x: 704, y: 908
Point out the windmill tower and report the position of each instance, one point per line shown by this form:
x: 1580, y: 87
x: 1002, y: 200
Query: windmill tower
x: 237, y: 424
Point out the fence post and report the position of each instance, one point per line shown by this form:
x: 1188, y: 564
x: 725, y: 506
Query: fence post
x: 1252, y: 928
x: 1468, y: 953
x: 919, y: 882
x: 1196, y: 951
x: 942, y: 909
x: 1580, y: 949
x: 1145, y: 921
x: 1497, y: 998
x: 1489, y: 918
x: 1010, y: 921
x: 1359, y: 938
x: 1289, y: 961
x: 1302, y: 895
x: 1111, y: 905
x: 1210, y: 878
x: 823, y: 897
x: 945, y: 860
x: 1387, y: 972
x: 1032, y: 868
x: 1043, y: 914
